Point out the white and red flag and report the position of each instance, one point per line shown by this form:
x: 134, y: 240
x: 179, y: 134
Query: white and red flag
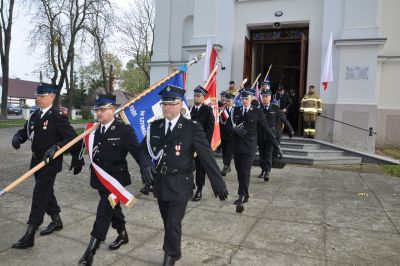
x: 118, y: 192
x: 210, y: 72
x: 327, y: 73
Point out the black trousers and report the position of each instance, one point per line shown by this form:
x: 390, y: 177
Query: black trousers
x: 200, y: 174
x: 265, y: 150
x: 243, y: 163
x: 106, y: 215
x: 43, y: 199
x: 227, y: 153
x: 172, y: 213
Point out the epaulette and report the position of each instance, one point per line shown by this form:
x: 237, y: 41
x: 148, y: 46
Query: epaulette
x: 122, y: 121
x: 158, y: 119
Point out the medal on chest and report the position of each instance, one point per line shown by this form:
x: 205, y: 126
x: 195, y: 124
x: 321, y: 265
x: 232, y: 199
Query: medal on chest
x: 178, y: 149
x: 45, y: 124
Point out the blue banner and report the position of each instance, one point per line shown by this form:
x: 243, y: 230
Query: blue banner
x: 148, y: 108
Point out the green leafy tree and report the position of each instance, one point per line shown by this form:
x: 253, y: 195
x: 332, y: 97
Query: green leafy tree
x: 133, y: 79
x: 92, y: 76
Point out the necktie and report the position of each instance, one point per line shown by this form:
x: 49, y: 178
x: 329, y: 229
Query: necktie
x: 169, y: 129
x: 103, y: 129
x: 245, y: 112
x: 40, y: 113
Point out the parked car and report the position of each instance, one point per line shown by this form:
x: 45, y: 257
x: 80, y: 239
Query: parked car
x: 33, y: 109
x: 14, y: 110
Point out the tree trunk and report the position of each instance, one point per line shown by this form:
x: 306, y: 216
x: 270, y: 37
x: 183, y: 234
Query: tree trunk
x: 4, y: 96
x: 5, y: 56
x: 71, y: 90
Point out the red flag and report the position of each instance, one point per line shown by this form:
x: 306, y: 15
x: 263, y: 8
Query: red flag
x: 212, y: 100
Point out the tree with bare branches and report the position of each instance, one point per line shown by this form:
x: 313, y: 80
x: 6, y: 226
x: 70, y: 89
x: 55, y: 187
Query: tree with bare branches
x: 100, y: 28
x: 58, y: 26
x: 137, y: 28
x: 6, y: 13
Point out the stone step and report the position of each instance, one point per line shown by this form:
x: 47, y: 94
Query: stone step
x: 297, y: 140
x: 300, y: 146
x: 295, y: 159
x: 313, y: 153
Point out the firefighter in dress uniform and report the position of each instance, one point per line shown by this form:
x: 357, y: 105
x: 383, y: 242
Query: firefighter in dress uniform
x: 274, y: 116
x: 246, y: 119
x: 202, y: 114
x: 112, y: 142
x: 49, y: 130
x: 225, y: 121
x: 171, y: 142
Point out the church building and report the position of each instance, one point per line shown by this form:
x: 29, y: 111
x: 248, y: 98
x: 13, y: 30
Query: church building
x: 293, y: 36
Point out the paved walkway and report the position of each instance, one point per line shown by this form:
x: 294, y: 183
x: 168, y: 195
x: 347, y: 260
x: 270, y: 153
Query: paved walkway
x: 303, y: 216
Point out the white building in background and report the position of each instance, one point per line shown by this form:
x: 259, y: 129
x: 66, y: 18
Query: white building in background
x: 366, y: 54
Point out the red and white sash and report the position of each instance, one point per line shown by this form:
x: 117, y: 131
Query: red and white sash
x: 118, y: 192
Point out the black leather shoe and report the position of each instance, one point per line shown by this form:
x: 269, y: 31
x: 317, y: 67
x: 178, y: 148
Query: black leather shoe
x: 146, y: 190
x: 87, y: 258
x: 168, y: 260
x: 198, y: 195
x: 225, y: 170
x: 246, y: 199
x: 240, y: 204
x: 266, y: 177
x: 55, y: 225
x: 262, y: 174
x: 122, y: 239
x: 28, y: 240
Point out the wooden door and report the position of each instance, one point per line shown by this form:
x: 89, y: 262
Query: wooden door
x: 247, y: 60
x: 303, y: 82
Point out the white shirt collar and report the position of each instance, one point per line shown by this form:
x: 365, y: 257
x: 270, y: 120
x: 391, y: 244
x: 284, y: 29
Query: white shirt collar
x: 44, y: 111
x: 173, y: 123
x: 107, y: 125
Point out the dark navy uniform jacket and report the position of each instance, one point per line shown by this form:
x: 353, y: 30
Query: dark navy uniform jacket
x: 251, y: 121
x: 205, y: 117
x: 274, y: 116
x: 224, y: 125
x: 52, y: 129
x: 174, y: 178
x: 112, y: 149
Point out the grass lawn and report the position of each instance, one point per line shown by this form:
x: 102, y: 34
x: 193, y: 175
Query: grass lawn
x: 394, y: 153
x: 11, y: 123
x: 20, y: 122
x: 79, y: 130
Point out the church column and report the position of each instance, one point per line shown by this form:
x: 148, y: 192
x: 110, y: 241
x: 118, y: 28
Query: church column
x: 357, y: 89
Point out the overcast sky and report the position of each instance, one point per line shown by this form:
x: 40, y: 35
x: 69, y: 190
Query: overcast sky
x: 23, y: 64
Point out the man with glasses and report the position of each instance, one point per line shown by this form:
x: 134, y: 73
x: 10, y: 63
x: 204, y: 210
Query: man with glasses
x: 49, y: 130
x: 171, y: 142
x: 203, y: 114
x: 111, y: 143
x: 246, y: 119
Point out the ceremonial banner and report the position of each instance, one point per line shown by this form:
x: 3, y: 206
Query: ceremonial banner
x: 211, y: 97
x: 148, y: 108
